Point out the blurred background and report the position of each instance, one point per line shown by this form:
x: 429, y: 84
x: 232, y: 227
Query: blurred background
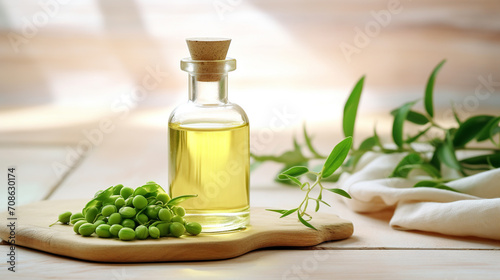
x: 69, y: 67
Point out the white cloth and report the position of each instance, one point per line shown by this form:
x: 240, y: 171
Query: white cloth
x: 473, y: 212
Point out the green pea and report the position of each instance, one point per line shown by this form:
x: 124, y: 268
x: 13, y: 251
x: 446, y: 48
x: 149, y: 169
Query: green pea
x: 98, y: 223
x: 103, y: 231
x: 128, y: 223
x: 177, y: 229
x: 108, y: 210
x: 65, y: 217
x: 127, y: 212
x: 163, y: 197
x: 193, y: 228
x: 141, y: 232
x: 77, y: 225
x: 140, y: 191
x: 86, y: 229
x: 114, y: 229
x: 117, y: 189
x: 142, y: 218
x: 114, y: 218
x: 126, y: 192
x: 154, y: 232
x: 165, y: 215
x: 77, y: 220
x: 140, y: 202
x: 178, y: 219
x: 179, y: 211
x: 119, y: 202
x: 91, y: 214
x: 75, y: 217
x: 126, y: 234
x: 152, y: 211
x: 164, y: 229
x: 128, y: 201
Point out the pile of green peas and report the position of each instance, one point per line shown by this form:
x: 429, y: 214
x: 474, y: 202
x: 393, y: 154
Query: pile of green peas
x: 128, y: 215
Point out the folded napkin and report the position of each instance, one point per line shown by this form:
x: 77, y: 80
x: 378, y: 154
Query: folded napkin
x: 475, y: 211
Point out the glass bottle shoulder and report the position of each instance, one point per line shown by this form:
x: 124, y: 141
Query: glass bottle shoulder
x: 195, y: 115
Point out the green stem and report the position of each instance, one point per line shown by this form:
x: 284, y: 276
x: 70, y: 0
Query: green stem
x: 478, y: 149
x: 306, y: 199
x: 434, y: 124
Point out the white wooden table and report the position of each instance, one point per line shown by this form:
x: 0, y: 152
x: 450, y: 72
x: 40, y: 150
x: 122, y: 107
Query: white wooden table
x: 134, y: 153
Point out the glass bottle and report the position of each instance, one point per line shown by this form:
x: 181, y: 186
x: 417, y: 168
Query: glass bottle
x: 209, y: 151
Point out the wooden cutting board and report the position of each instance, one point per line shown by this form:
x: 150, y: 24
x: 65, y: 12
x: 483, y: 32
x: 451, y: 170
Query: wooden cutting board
x: 266, y: 230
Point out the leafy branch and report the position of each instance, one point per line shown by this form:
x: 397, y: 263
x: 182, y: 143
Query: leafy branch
x: 442, y: 152
x: 332, y: 163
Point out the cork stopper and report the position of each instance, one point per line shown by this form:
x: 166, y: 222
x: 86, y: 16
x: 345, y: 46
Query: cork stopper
x: 209, y: 54
x: 208, y: 48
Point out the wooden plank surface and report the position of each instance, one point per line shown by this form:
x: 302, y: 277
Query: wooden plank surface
x: 33, y: 231
x: 35, y: 175
x: 274, y: 264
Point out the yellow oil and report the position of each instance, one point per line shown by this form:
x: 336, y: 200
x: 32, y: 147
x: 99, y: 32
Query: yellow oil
x: 211, y: 161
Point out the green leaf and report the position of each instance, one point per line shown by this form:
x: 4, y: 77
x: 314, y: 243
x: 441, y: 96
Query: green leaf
x: 417, y: 118
x: 286, y: 167
x: 489, y: 130
x: 368, y: 144
x: 426, y: 167
x: 277, y: 210
x: 455, y: 115
x: 429, y: 90
x: 99, y: 198
x: 430, y: 169
x: 434, y: 184
x: 320, y: 196
x: 446, y: 153
x: 291, y: 158
x: 283, y: 213
x: 288, y: 177
x: 336, y: 157
x: 435, y: 161
x: 295, y: 171
x: 469, y: 129
x: 339, y: 192
x: 179, y: 199
x: 427, y: 183
x: 414, y: 117
x: 399, y: 119
x: 152, y: 188
x: 304, y: 222
x: 351, y: 108
x: 288, y: 212
x: 322, y: 201
x: 309, y: 143
x: 400, y: 170
x: 417, y: 136
x: 489, y: 159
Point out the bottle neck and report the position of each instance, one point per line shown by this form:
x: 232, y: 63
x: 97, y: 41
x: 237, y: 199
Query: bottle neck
x: 208, y: 92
